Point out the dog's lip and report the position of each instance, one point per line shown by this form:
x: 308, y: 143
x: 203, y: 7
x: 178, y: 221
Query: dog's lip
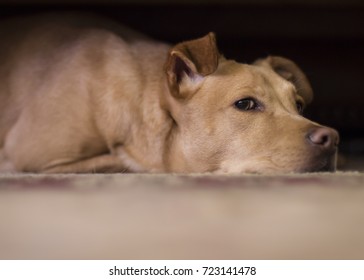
x: 327, y: 168
x: 325, y: 164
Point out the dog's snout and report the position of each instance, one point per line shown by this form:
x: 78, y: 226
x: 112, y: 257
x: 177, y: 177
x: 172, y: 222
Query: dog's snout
x: 324, y: 137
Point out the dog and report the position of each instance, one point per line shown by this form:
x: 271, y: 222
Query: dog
x: 84, y: 96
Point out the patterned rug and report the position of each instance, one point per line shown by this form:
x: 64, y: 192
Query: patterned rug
x: 140, y: 216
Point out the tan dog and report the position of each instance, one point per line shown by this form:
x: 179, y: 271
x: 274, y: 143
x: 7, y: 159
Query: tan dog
x: 80, y: 97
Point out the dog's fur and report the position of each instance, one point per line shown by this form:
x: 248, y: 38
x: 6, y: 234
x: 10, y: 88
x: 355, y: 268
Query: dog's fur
x: 82, y: 97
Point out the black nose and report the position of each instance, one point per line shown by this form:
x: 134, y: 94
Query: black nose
x: 324, y: 137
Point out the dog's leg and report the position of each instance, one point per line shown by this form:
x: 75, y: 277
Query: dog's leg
x: 5, y: 164
x: 98, y: 164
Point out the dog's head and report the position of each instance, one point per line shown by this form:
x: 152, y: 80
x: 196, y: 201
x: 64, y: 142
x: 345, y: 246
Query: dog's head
x: 232, y: 117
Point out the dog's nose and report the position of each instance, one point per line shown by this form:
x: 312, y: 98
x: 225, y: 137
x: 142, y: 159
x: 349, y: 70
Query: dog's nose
x: 324, y: 137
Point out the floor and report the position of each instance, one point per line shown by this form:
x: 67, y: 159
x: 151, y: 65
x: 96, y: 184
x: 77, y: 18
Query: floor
x: 131, y: 216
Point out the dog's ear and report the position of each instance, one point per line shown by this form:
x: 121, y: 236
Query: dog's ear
x: 189, y: 62
x: 288, y: 70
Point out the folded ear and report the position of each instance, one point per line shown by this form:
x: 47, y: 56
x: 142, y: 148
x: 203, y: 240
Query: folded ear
x: 288, y: 70
x: 189, y: 62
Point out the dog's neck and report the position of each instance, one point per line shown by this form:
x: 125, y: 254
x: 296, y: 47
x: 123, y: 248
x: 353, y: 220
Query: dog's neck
x: 147, y: 138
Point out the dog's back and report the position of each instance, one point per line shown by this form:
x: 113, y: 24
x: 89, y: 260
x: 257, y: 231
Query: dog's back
x: 55, y: 74
x: 30, y: 47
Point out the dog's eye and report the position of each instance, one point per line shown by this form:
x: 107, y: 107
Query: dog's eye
x: 246, y: 104
x: 299, y: 106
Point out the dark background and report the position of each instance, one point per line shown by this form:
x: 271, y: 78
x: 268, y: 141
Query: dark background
x: 326, y: 38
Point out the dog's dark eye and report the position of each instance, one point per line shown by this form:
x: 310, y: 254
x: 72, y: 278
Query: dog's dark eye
x: 246, y: 104
x: 299, y: 106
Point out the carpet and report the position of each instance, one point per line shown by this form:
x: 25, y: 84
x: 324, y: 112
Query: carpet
x: 141, y: 216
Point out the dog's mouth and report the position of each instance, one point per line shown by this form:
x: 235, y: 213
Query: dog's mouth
x: 328, y: 167
x: 323, y: 164
x: 304, y: 163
